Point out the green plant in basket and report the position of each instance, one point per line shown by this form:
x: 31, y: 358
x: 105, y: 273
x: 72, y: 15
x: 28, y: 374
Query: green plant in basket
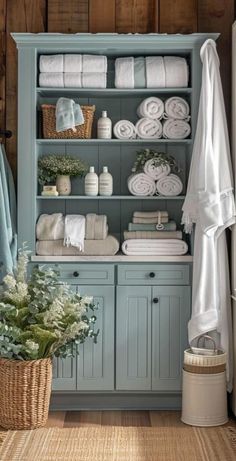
x: 53, y: 165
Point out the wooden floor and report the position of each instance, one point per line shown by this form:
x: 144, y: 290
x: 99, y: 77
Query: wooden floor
x: 117, y: 418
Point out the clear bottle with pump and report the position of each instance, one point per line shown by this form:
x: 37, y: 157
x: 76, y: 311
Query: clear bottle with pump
x: 105, y: 182
x: 104, y: 126
x: 91, y: 183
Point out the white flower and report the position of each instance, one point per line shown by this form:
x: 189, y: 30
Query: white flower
x: 75, y: 329
x: 9, y: 281
x: 22, y: 289
x: 31, y: 345
x: 54, y: 314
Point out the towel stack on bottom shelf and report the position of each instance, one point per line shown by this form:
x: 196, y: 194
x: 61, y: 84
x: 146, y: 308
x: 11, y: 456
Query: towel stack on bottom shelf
x: 74, y: 235
x: 151, y: 233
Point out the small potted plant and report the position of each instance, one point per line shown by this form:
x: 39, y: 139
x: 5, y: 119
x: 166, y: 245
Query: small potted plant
x: 39, y: 317
x: 58, y: 169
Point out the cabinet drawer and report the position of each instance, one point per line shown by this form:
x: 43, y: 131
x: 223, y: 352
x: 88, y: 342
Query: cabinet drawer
x: 153, y: 274
x: 85, y: 274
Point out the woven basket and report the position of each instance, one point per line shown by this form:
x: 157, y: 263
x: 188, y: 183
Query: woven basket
x: 204, y: 370
x: 81, y: 132
x: 25, y: 393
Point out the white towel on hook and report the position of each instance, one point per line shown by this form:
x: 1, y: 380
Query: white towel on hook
x: 210, y: 204
x: 74, y: 231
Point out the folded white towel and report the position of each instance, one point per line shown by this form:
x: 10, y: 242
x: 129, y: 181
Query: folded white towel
x: 51, y: 79
x: 177, y: 108
x: 51, y: 63
x: 141, y: 184
x: 155, y: 72
x: 50, y: 227
x: 94, y: 63
x: 124, y: 72
x: 155, y: 171
x: 124, y: 129
x: 72, y: 63
x: 169, y: 185
x: 148, y: 129
x: 151, y: 107
x: 176, y: 71
x: 73, y: 79
x: 154, y: 247
x: 176, y: 129
x: 94, y: 80
x: 74, y: 231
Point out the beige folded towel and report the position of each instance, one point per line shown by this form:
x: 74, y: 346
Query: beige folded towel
x: 150, y: 214
x: 154, y: 220
x: 96, y: 227
x: 50, y: 227
x: 106, y: 247
x: 152, y: 235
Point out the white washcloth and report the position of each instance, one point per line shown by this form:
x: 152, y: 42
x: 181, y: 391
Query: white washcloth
x: 94, y: 63
x: 155, y: 171
x: 50, y: 227
x: 155, y: 72
x: 148, y: 129
x: 74, y: 231
x: 124, y: 129
x: 51, y: 63
x: 141, y: 184
x: 176, y: 129
x: 177, y: 108
x: 72, y: 63
x: 51, y: 79
x: 72, y: 79
x: 94, y: 80
x: 151, y: 107
x: 170, y: 185
x: 154, y: 247
x: 124, y: 72
x: 176, y: 71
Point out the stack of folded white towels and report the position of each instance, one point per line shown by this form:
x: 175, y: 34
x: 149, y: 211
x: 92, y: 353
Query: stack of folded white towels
x: 73, y: 70
x: 73, y: 235
x: 169, y: 119
x: 151, y: 233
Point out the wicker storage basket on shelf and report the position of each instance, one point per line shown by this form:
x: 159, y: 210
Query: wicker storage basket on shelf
x: 81, y: 132
x: 25, y: 393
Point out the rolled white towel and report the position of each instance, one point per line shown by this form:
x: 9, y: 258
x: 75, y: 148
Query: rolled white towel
x: 124, y: 129
x: 51, y: 79
x: 176, y: 71
x: 73, y: 79
x: 154, y: 247
x: 169, y: 185
x: 94, y: 80
x: 94, y: 63
x: 177, y: 108
x: 124, y: 72
x: 156, y: 171
x: 151, y: 107
x: 176, y: 129
x: 155, y: 72
x: 51, y: 63
x: 72, y: 63
x: 148, y: 129
x: 141, y: 184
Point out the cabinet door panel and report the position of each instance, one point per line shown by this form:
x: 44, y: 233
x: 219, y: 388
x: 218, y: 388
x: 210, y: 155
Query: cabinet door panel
x: 95, y: 363
x: 170, y: 315
x: 133, y: 340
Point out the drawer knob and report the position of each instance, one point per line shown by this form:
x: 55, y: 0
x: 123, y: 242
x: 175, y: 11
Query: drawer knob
x: 76, y: 274
x: 152, y: 275
x: 155, y: 300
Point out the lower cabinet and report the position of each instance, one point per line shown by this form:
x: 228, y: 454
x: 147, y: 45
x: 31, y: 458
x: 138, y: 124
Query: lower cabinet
x: 151, y: 335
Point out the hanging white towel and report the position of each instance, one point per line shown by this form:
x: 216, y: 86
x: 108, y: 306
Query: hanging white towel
x: 74, y: 231
x: 210, y: 204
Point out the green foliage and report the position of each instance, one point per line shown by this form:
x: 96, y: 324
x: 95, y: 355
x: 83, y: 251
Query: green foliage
x: 40, y: 316
x: 160, y: 158
x: 52, y: 165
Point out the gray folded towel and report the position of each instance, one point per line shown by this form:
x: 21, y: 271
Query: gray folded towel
x: 105, y: 247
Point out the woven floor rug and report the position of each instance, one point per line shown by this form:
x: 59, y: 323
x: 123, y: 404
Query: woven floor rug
x: 107, y: 443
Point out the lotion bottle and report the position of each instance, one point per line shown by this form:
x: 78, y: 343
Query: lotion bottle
x: 91, y: 183
x: 105, y: 182
x: 104, y: 126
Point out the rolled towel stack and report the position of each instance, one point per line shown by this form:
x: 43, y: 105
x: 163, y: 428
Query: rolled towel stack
x: 59, y: 235
x: 176, y: 125
x: 124, y: 129
x: 170, y: 185
x: 73, y: 70
x: 141, y: 184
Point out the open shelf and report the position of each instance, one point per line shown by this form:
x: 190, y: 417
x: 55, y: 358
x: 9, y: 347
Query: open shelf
x: 119, y: 257
x: 110, y: 91
x: 114, y: 141
x: 112, y: 197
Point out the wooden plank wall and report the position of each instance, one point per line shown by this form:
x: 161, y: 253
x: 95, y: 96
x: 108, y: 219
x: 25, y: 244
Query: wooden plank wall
x: 70, y: 16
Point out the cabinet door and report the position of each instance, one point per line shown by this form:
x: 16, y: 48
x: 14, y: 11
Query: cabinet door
x: 170, y: 315
x: 133, y: 338
x: 95, y: 362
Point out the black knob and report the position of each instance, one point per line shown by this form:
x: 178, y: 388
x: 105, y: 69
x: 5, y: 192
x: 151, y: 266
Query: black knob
x: 152, y: 274
x: 76, y: 274
x: 155, y: 300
